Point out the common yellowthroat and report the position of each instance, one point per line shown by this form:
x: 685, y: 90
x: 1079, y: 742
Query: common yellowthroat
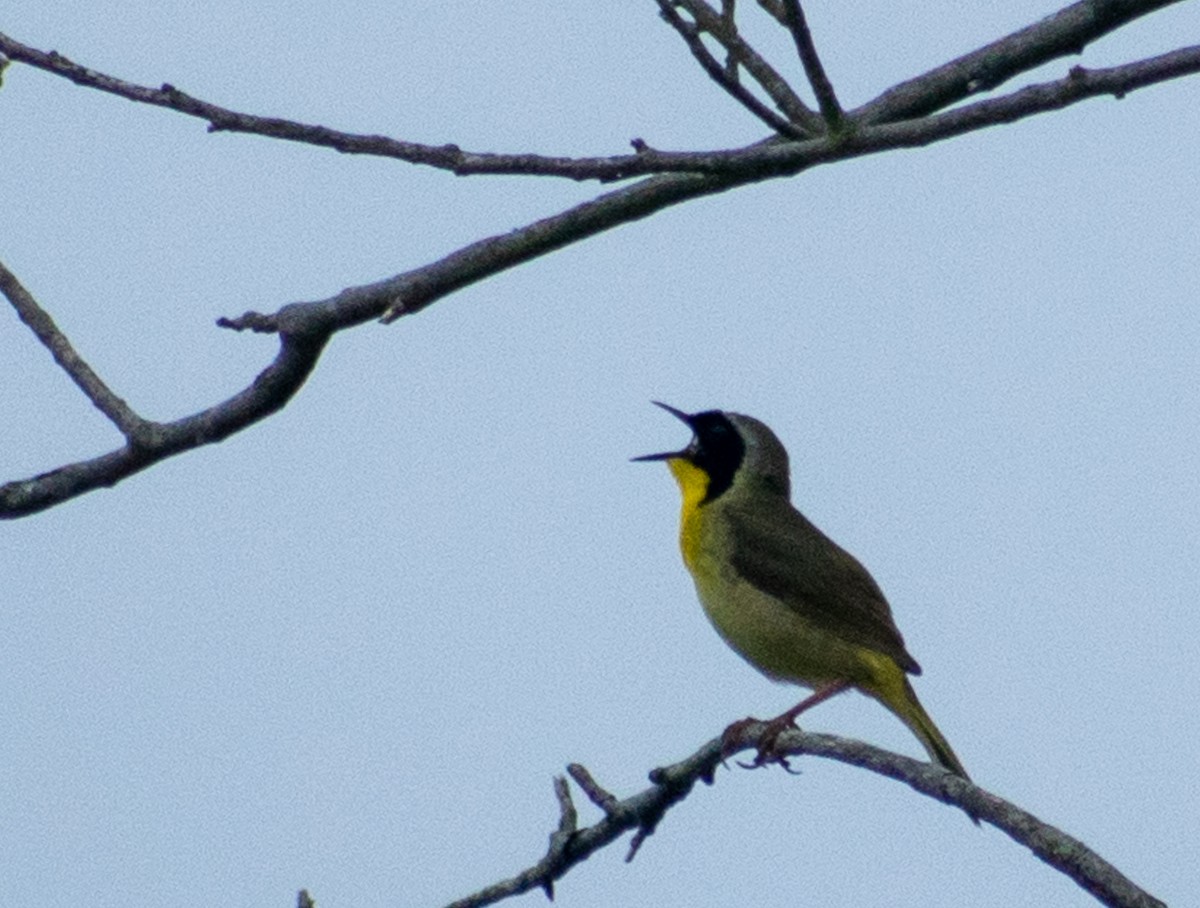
x: 782, y: 594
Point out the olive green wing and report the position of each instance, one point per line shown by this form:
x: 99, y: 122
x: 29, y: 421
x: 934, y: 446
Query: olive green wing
x: 779, y: 551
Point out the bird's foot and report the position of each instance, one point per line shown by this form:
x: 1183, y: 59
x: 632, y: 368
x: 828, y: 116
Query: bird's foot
x: 766, y: 754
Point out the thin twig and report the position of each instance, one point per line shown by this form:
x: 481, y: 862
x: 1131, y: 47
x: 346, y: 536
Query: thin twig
x: 131, y: 425
x: 560, y: 839
x: 445, y: 157
x: 775, y: 9
x: 726, y: 76
x: 807, y: 50
x: 597, y: 794
x: 221, y: 119
x: 723, y: 29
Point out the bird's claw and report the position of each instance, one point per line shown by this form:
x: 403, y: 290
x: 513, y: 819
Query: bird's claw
x: 767, y: 740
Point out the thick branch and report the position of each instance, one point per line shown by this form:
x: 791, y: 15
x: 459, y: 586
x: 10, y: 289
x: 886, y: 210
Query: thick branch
x: 643, y: 811
x: 304, y: 328
x: 774, y: 158
x: 1065, y: 33
x: 270, y: 391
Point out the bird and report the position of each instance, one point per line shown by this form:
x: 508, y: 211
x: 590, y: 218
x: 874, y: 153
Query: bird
x: 782, y: 594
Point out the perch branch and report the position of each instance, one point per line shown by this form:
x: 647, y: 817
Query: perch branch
x: 642, y: 812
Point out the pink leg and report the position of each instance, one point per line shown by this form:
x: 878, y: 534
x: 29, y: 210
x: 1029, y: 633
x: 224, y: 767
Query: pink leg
x: 820, y: 695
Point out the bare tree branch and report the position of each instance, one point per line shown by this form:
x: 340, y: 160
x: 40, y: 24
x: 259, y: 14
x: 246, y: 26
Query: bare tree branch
x: 1079, y: 84
x: 304, y: 328
x: 776, y: 158
x: 42, y: 325
x: 220, y: 119
x: 1065, y: 32
x: 601, y: 797
x: 643, y: 811
x: 904, y: 116
x: 149, y: 442
x: 831, y: 110
x: 640, y: 812
x: 1062, y: 34
x: 802, y: 122
x: 726, y: 76
x: 448, y: 157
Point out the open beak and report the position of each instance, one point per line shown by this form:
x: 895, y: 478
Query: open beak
x: 668, y: 455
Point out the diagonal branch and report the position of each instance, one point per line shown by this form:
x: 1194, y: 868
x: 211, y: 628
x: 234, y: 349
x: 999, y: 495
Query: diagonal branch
x: 831, y: 110
x: 42, y: 325
x: 641, y: 813
x: 1078, y: 85
x: 1062, y: 34
x: 774, y: 159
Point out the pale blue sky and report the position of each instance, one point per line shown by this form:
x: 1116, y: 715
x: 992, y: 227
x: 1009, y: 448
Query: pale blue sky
x: 349, y: 648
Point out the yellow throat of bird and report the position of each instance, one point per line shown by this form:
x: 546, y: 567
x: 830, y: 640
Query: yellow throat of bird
x: 693, y: 483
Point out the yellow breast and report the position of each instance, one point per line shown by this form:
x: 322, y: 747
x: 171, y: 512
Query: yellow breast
x: 773, y: 638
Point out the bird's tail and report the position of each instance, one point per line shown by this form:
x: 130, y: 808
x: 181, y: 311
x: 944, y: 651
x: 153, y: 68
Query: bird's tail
x: 891, y: 688
x: 913, y: 714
